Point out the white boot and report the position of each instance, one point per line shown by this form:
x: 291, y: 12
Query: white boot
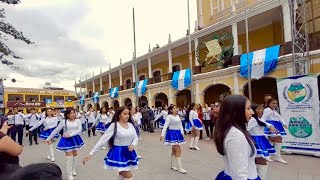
x: 69, y: 163
x: 128, y: 178
x: 278, y: 158
x: 191, y: 143
x: 173, y: 163
x: 180, y: 169
x: 74, y: 165
x: 48, y: 154
x: 262, y: 171
x: 196, y: 141
x: 51, y: 151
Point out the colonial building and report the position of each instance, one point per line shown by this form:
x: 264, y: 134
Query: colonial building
x: 25, y: 98
x: 269, y: 24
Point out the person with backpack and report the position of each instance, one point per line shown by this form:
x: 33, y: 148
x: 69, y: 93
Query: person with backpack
x: 145, y: 118
x: 150, y: 118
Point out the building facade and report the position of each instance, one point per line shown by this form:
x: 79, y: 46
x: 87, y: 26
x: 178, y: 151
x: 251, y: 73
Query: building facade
x: 26, y: 98
x: 269, y: 24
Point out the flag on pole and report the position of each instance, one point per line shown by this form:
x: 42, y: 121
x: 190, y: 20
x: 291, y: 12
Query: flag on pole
x: 141, y: 88
x: 114, y: 92
x: 82, y: 100
x: 95, y: 97
x: 181, y: 79
x: 261, y: 62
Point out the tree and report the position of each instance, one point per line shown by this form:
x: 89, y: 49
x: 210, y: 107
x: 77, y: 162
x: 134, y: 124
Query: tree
x: 7, y: 29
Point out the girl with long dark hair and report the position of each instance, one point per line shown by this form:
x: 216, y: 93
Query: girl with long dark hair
x: 70, y: 142
x: 270, y: 115
x: 264, y: 148
x: 101, y: 121
x: 233, y: 141
x: 172, y: 135
x: 122, y: 139
x: 161, y: 117
x: 50, y: 123
x: 195, y: 125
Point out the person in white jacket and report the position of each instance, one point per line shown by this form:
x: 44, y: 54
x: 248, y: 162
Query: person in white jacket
x: 122, y: 139
x: 71, y: 142
x: 233, y: 141
x: 91, y: 116
x: 172, y: 135
x: 271, y: 115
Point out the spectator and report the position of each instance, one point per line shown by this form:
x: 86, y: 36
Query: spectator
x: 207, y: 121
x: 39, y: 171
x: 9, y: 152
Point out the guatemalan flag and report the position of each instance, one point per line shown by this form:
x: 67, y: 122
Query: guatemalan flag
x: 141, y: 88
x: 82, y: 100
x: 261, y: 62
x: 114, y: 92
x: 95, y: 97
x: 181, y: 79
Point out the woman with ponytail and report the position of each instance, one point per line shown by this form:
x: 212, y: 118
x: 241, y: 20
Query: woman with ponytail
x: 264, y: 148
x: 70, y: 142
x: 122, y: 138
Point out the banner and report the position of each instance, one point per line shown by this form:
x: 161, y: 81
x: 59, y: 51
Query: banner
x: 25, y: 104
x: 299, y: 106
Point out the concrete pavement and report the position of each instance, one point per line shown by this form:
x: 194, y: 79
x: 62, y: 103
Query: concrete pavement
x: 155, y: 162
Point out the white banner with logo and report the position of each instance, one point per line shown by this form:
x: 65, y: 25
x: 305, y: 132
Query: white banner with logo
x: 299, y: 106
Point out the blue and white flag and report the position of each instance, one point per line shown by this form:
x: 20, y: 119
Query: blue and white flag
x: 82, y: 100
x: 181, y: 79
x: 95, y: 97
x: 261, y: 62
x: 114, y: 92
x: 141, y: 88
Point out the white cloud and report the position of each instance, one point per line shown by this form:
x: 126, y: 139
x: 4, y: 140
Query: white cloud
x: 75, y: 37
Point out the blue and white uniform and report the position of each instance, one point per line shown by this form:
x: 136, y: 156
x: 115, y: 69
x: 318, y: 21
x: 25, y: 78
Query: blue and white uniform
x: 162, y: 118
x: 173, y: 131
x: 263, y: 146
x: 239, y: 164
x: 274, y: 118
x: 119, y: 157
x: 101, y: 122
x: 74, y: 142
x: 49, y: 123
x: 194, y: 121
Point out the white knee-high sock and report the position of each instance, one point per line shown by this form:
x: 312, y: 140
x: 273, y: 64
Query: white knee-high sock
x: 262, y: 171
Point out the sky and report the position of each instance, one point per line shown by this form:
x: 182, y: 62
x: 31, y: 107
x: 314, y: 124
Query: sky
x: 75, y: 38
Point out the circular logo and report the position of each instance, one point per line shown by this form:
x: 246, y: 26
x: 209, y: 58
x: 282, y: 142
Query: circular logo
x: 300, y: 127
x: 297, y: 92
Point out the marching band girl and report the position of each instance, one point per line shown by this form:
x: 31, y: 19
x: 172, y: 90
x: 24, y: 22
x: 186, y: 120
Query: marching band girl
x: 172, y: 135
x: 195, y: 125
x: 263, y: 146
x: 102, y: 121
x: 50, y: 123
x: 270, y: 115
x: 70, y: 142
x: 233, y: 141
x: 162, y: 116
x: 122, y: 139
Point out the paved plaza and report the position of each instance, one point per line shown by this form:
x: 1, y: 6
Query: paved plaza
x: 155, y: 162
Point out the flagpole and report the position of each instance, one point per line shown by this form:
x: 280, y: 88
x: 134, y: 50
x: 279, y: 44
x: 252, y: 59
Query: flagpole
x: 248, y: 60
x: 135, y: 52
x: 190, y: 54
